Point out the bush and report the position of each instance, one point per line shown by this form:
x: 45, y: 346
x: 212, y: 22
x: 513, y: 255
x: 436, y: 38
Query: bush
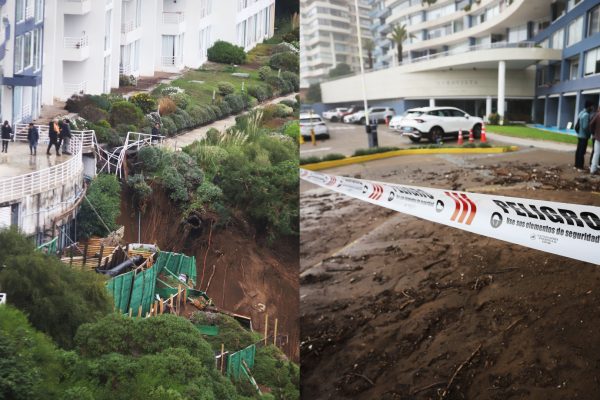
x: 140, y: 189
x: 166, y: 106
x: 209, y: 193
x: 168, y: 126
x: 333, y: 156
x: 93, y: 114
x: 171, y: 90
x: 104, y: 101
x: 374, y: 150
x: 313, y: 94
x: 145, y: 102
x: 225, y: 107
x: 124, y: 112
x: 290, y: 103
x: 152, y: 159
x: 292, y: 36
x: 126, y: 80
x: 76, y: 103
x: 341, y: 69
x: 225, y: 88
x: 226, y: 53
x: 259, y: 92
x: 282, y: 111
x: 292, y: 129
x: 181, y: 100
x: 494, y: 119
x: 285, y: 61
x: 174, y: 182
x: 236, y: 103
x: 264, y: 72
x: 104, y: 194
x: 310, y: 160
x: 292, y: 78
x: 280, y: 85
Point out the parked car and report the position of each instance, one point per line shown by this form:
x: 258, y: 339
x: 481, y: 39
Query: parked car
x: 396, y: 121
x: 311, y: 121
x: 350, y: 111
x: 435, y: 123
x: 335, y: 114
x: 378, y: 114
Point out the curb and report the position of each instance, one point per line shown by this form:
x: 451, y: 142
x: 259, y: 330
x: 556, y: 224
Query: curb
x: 408, y: 152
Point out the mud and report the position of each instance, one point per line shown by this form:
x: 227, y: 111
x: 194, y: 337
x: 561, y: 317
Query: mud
x: 239, y: 272
x: 393, y: 307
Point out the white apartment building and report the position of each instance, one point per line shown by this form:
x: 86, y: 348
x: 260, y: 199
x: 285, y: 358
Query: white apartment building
x: 329, y: 36
x: 52, y: 49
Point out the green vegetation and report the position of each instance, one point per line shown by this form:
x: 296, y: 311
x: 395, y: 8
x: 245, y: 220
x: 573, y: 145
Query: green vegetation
x: 226, y: 53
x: 531, y: 133
x: 275, y: 371
x: 374, y: 150
x: 341, y: 69
x: 313, y: 94
x: 104, y: 194
x: 231, y: 334
x: 316, y: 159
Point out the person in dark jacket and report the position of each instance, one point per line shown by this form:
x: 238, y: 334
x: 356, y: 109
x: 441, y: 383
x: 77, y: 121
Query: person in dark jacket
x: 33, y: 135
x: 53, y: 136
x: 156, y: 132
x: 583, y: 133
x: 65, y: 134
x: 7, y: 134
x: 595, y: 131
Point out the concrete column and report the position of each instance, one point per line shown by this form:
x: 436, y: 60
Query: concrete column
x: 488, y: 106
x: 561, y: 104
x: 546, y: 110
x: 501, y: 87
x: 431, y: 102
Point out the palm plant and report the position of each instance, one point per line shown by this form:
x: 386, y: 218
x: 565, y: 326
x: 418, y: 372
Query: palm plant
x: 398, y: 36
x: 369, y: 45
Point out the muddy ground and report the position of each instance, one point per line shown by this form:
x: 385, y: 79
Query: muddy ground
x: 393, y: 307
x: 241, y: 274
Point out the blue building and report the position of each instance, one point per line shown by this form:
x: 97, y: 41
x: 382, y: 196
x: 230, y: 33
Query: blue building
x: 562, y: 87
x: 22, y: 63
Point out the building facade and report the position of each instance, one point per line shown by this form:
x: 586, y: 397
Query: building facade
x: 330, y: 36
x: 483, y: 56
x: 52, y: 49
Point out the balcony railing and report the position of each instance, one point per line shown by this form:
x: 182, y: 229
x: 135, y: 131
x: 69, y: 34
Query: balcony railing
x: 172, y: 17
x: 129, y: 26
x: 125, y: 69
x: 76, y: 42
x: 486, y: 46
x: 171, y: 61
x: 75, y: 88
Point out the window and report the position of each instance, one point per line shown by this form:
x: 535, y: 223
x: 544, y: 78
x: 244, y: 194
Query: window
x: 457, y: 113
x: 106, y: 83
x: 575, y: 31
x: 592, y: 62
x: 573, y: 68
x: 20, y: 10
x: 517, y: 34
x: 37, y: 49
x: 541, y: 76
x: 39, y: 11
x: 594, y: 21
x: 558, y: 39
x: 18, y: 54
x: 107, y: 34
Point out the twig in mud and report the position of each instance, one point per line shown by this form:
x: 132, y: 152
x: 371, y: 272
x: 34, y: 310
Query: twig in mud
x: 427, y: 387
x: 210, y: 279
x: 406, y: 294
x: 460, y: 367
x: 508, y: 328
x: 403, y: 306
x: 431, y: 264
x: 364, y: 377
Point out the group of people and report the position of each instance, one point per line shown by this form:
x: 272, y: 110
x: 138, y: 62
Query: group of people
x: 59, y: 133
x: 588, y: 125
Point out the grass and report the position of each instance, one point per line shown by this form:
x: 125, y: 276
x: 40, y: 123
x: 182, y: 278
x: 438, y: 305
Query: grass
x: 531, y: 133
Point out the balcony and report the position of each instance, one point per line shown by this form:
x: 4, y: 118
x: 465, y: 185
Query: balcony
x: 173, y: 23
x: 171, y: 63
x: 76, y: 48
x: 74, y: 88
x: 130, y: 32
x: 29, y: 12
x: 77, y: 7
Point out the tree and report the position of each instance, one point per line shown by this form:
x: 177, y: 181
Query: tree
x: 369, y: 45
x: 55, y: 297
x: 398, y: 36
x: 313, y: 95
x: 340, y: 70
x: 103, y: 200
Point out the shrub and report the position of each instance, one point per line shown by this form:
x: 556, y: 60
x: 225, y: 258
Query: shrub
x: 209, y: 193
x: 292, y: 36
x: 104, y: 101
x: 225, y: 88
x: 282, y: 111
x: 285, y: 61
x: 76, y: 103
x: 181, y: 100
x: 175, y: 184
x: 279, y: 84
x: 292, y: 78
x: 263, y: 72
x: 494, y: 119
x: 333, y: 156
x: 236, y: 103
x: 226, y: 53
x: 166, y: 106
x: 213, y: 135
x: 106, y: 134
x: 127, y: 80
x: 144, y: 101
x: 313, y: 94
x: 168, y: 126
x: 140, y: 189
x: 152, y: 159
x: 124, y: 112
x: 310, y: 160
x: 171, y: 90
x: 290, y: 103
x: 104, y: 194
x: 225, y: 107
x: 341, y: 69
x: 249, y: 101
x: 93, y: 113
x: 178, y: 121
x: 292, y: 129
x: 374, y: 150
x: 260, y: 92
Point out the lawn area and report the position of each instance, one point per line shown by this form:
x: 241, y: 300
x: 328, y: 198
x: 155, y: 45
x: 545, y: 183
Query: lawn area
x: 530, y: 133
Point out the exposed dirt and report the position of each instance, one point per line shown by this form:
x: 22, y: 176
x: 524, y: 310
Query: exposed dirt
x: 415, y: 310
x: 246, y: 277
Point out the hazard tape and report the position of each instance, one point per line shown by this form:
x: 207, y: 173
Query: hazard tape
x: 569, y: 230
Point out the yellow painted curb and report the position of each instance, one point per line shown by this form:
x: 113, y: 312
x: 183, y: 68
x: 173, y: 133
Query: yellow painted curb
x: 406, y: 152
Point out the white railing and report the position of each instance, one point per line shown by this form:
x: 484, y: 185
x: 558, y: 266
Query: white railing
x: 76, y: 42
x: 75, y: 88
x: 172, y: 17
x: 87, y: 138
x: 29, y: 12
x: 171, y: 61
x: 112, y: 162
x: 125, y: 69
x: 46, y: 179
x: 486, y: 46
x: 127, y: 27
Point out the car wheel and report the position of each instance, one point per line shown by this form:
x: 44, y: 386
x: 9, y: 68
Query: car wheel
x: 477, y: 131
x: 362, y: 121
x: 334, y: 119
x: 326, y: 136
x: 414, y: 139
x: 436, y: 134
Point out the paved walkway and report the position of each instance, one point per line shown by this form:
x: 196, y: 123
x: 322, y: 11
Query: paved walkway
x: 18, y: 161
x: 190, y: 137
x: 523, y: 142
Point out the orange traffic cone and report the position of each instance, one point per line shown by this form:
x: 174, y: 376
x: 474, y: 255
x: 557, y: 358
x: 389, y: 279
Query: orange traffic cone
x: 483, y: 138
x: 460, y: 137
x: 471, y: 137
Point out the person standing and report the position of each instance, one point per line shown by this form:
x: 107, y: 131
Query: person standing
x: 33, y: 135
x: 65, y: 134
x: 156, y: 132
x: 7, y: 134
x: 53, y: 136
x: 583, y: 134
x: 595, y: 131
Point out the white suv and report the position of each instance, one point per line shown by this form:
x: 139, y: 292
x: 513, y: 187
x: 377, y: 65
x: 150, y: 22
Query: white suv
x: 334, y: 115
x: 435, y: 123
x: 375, y: 113
x: 311, y: 121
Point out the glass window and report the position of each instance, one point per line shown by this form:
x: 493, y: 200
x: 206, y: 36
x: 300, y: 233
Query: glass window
x: 20, y: 10
x: 592, y: 62
x: 558, y: 39
x: 517, y: 34
x: 573, y: 68
x: 594, y: 21
x: 37, y: 49
x: 39, y: 10
x: 107, y: 34
x: 575, y: 31
x: 18, y: 54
